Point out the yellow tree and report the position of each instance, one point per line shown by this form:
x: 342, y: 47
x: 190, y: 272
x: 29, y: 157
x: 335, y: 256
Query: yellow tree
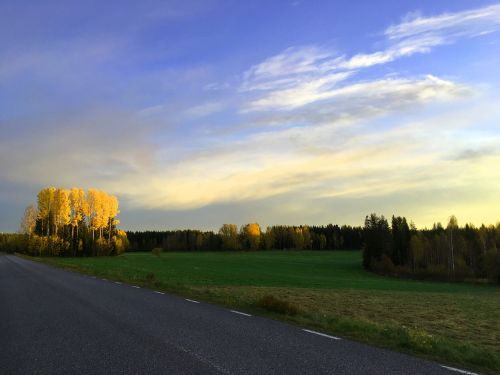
x: 28, y: 222
x: 113, y: 211
x: 77, y: 205
x: 91, y: 209
x: 102, y: 212
x: 251, y: 235
x: 45, y: 200
x: 62, y: 208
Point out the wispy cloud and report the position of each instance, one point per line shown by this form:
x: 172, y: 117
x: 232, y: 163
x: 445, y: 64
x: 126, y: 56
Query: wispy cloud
x: 449, y: 26
x: 371, y: 92
x: 302, y: 75
x: 288, y: 68
x: 205, y: 109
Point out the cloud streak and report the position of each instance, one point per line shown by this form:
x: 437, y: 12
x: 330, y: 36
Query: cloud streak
x: 449, y: 26
x: 301, y: 75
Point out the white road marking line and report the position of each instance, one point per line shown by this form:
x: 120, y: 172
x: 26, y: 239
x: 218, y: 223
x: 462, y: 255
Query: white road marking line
x: 135, y: 286
x: 322, y: 334
x: 93, y: 277
x: 239, y: 312
x: 104, y: 279
x: 159, y: 292
x: 191, y: 300
x: 458, y: 370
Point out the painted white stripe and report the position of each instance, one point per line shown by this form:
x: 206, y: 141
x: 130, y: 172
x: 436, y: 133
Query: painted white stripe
x: 117, y: 282
x: 458, y: 370
x: 239, y: 312
x: 159, y: 292
x: 135, y: 286
x: 322, y: 334
x: 191, y: 300
x: 93, y: 277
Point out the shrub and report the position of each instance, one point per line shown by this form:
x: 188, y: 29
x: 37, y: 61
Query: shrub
x: 383, y: 266
x: 12, y: 242
x: 462, y: 271
x: 273, y: 304
x: 157, y: 251
x: 492, y: 263
x: 120, y: 242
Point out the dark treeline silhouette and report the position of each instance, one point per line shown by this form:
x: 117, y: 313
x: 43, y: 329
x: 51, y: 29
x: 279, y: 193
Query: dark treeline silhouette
x: 250, y: 237
x: 451, y: 253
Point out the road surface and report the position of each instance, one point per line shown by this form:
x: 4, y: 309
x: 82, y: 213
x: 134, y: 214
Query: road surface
x: 58, y: 322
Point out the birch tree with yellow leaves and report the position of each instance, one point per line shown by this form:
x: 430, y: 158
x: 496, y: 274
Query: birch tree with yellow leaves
x: 113, y: 212
x: 77, y: 204
x: 62, y: 209
x: 250, y: 234
x: 70, y: 218
x: 45, y: 206
x: 92, y: 208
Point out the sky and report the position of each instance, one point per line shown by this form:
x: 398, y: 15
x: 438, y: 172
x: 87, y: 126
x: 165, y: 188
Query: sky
x: 199, y: 113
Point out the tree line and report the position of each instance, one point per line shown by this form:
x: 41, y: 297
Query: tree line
x: 250, y: 237
x: 69, y: 222
x: 446, y: 253
x: 74, y: 222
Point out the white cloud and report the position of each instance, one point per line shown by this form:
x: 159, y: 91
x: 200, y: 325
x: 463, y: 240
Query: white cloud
x: 467, y: 23
x: 301, y: 75
x: 292, y: 61
x: 302, y: 94
x: 404, y: 48
x: 205, y: 109
x: 390, y: 89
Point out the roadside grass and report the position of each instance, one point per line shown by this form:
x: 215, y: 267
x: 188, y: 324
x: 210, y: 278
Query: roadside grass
x: 455, y: 323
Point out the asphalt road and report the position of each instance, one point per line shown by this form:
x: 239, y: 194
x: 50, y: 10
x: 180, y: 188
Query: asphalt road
x: 58, y: 322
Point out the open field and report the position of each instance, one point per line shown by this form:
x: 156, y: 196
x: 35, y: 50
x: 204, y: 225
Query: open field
x: 454, y: 323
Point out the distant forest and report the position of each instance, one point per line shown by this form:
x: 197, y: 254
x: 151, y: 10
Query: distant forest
x: 441, y: 253
x: 77, y: 223
x: 250, y: 237
x: 398, y: 249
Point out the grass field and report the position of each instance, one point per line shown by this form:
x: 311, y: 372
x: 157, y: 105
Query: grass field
x: 454, y: 323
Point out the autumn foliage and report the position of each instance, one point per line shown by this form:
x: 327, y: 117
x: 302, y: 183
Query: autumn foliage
x: 73, y: 222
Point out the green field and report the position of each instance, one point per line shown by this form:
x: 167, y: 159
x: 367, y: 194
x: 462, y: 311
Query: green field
x: 456, y: 323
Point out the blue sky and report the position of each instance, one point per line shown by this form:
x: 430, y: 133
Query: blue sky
x: 198, y: 113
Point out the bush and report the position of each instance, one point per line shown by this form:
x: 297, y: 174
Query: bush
x: 13, y: 242
x: 492, y: 265
x: 383, y: 266
x: 157, y: 251
x: 120, y: 242
x: 273, y: 304
x: 462, y: 271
